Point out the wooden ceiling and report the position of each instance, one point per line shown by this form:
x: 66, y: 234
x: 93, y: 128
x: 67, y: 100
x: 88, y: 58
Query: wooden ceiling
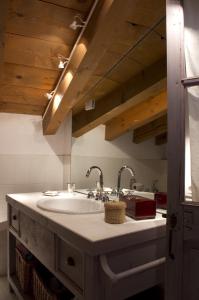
x: 35, y: 33
x: 120, y: 62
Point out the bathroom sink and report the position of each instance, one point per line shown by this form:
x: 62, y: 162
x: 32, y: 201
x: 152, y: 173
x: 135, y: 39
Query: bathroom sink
x: 71, y: 204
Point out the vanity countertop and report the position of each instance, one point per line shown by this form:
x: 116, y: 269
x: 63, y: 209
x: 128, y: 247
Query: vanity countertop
x: 89, y: 231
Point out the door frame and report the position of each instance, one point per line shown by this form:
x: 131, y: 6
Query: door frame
x: 176, y: 147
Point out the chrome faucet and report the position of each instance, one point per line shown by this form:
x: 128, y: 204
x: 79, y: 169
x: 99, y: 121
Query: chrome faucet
x: 100, y: 175
x: 120, y: 173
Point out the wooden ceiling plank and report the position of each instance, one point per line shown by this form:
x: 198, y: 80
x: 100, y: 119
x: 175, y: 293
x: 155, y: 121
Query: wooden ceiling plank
x: 137, y: 116
x: 22, y: 95
x: 21, y: 108
x: 33, y: 52
x: 142, y: 86
x: 3, y: 16
x: 41, y: 20
x: 150, y: 130
x: 161, y: 139
x: 79, y: 6
x: 29, y: 77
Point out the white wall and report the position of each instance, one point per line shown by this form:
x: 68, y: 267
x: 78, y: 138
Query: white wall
x: 146, y: 159
x: 29, y: 162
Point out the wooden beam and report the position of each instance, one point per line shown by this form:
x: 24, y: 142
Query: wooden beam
x: 3, y: 16
x: 98, y: 37
x: 146, y: 84
x: 137, y: 116
x: 89, y: 51
x: 161, y: 139
x: 150, y: 130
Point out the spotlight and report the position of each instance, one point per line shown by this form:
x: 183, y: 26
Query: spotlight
x: 90, y: 105
x: 78, y: 22
x: 62, y: 61
x: 49, y: 95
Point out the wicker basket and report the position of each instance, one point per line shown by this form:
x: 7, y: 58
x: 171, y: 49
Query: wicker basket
x: 47, y: 287
x: 115, y: 212
x: 24, y: 272
x: 40, y: 291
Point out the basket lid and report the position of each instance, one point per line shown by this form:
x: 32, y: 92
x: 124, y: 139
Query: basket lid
x: 115, y: 205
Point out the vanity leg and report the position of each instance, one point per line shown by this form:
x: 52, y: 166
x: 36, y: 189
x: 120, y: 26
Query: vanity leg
x: 11, y: 289
x: 93, y: 287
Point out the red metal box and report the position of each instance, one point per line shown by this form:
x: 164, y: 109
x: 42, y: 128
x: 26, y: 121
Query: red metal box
x: 139, y: 208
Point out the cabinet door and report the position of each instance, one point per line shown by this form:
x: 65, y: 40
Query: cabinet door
x: 191, y: 272
x: 191, y: 253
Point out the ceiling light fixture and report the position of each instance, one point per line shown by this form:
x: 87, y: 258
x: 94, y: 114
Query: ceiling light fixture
x: 49, y: 95
x: 90, y: 105
x: 84, y: 25
x: 62, y: 61
x: 78, y: 22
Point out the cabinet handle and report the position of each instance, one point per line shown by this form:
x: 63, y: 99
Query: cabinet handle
x: 14, y: 217
x: 71, y: 261
x: 115, y: 277
x: 173, y: 223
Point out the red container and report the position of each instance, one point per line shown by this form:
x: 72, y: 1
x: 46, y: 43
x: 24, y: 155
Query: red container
x: 161, y: 200
x: 139, y: 208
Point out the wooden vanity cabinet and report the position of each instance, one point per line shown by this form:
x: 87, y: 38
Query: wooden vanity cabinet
x: 116, y: 274
x: 57, y: 255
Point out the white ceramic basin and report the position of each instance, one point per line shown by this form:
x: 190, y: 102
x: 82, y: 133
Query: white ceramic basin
x: 71, y: 204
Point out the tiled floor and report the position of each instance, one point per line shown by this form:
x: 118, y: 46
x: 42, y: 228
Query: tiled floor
x: 4, y: 290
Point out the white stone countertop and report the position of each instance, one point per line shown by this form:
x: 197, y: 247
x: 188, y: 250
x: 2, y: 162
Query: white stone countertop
x: 89, y: 230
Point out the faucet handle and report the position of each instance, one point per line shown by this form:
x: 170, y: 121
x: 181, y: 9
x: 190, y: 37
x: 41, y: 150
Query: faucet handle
x: 105, y: 197
x: 102, y: 196
x: 114, y: 192
x: 121, y: 193
x: 90, y: 195
x: 132, y: 182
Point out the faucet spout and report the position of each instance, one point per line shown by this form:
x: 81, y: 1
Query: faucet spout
x: 132, y: 172
x: 101, y: 180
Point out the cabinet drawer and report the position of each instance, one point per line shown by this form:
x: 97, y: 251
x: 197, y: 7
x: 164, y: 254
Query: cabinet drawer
x: 14, y: 218
x: 38, y: 239
x: 69, y: 262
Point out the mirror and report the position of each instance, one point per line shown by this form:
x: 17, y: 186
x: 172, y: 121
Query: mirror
x: 147, y: 160
x: 131, y: 74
